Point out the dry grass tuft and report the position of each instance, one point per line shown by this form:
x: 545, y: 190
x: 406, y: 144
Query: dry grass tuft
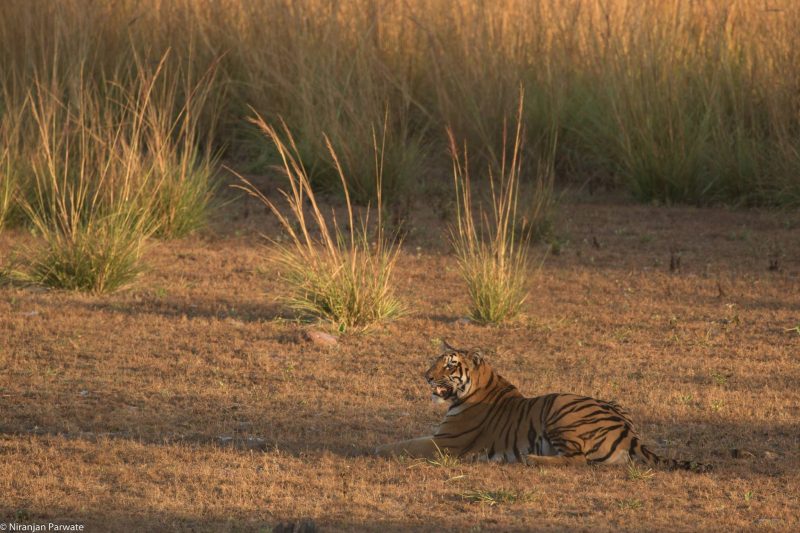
x: 444, y: 459
x: 104, y: 176
x: 100, y: 256
x: 178, y: 154
x: 343, y: 276
x: 636, y: 472
x: 8, y: 187
x: 492, y: 252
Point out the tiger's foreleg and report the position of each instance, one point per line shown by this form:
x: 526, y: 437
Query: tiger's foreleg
x: 421, y: 447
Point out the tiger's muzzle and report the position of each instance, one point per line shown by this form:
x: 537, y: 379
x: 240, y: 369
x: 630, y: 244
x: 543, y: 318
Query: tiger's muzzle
x: 440, y: 389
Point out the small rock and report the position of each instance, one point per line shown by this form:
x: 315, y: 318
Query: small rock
x: 771, y: 455
x: 321, y: 338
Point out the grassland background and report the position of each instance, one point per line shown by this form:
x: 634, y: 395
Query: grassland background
x: 192, y: 402
x: 677, y: 101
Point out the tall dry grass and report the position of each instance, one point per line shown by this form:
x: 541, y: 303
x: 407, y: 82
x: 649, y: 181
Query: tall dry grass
x: 89, y: 202
x: 492, y: 248
x: 9, y: 180
x: 677, y: 101
x: 99, y: 167
x: 90, y: 74
x: 341, y: 275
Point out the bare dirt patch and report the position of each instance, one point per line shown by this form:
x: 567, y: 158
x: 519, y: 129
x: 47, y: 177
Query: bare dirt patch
x: 194, y: 401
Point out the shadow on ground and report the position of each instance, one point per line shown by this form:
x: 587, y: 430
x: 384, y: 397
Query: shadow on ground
x: 770, y: 448
x: 217, y: 308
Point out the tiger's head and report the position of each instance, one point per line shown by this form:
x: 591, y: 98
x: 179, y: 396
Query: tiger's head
x: 453, y: 373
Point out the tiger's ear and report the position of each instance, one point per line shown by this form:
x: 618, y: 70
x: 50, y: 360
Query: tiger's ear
x: 445, y: 347
x: 476, y: 356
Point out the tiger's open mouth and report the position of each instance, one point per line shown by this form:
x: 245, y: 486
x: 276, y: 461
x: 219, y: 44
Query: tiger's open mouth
x: 441, y: 391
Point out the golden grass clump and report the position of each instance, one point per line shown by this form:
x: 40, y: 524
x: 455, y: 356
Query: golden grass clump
x: 89, y: 201
x: 339, y: 275
x: 179, y: 153
x: 8, y: 186
x: 108, y: 167
x: 492, y: 252
x: 11, y: 159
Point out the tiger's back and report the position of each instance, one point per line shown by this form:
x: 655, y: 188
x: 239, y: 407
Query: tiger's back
x: 508, y: 426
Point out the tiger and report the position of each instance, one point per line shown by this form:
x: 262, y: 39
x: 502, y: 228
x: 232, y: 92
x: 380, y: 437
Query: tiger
x: 488, y: 419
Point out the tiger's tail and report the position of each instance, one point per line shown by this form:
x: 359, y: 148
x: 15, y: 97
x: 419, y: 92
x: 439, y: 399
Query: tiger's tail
x: 642, y: 452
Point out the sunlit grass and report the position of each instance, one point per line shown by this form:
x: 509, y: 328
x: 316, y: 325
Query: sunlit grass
x: 636, y: 472
x: 104, y: 177
x: 8, y: 186
x: 11, y: 178
x: 100, y: 257
x: 341, y: 275
x: 492, y: 251
x: 88, y: 204
x: 677, y: 102
x: 184, y: 173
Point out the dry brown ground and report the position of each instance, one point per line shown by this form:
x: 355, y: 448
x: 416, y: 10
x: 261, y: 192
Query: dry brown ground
x: 191, y: 402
